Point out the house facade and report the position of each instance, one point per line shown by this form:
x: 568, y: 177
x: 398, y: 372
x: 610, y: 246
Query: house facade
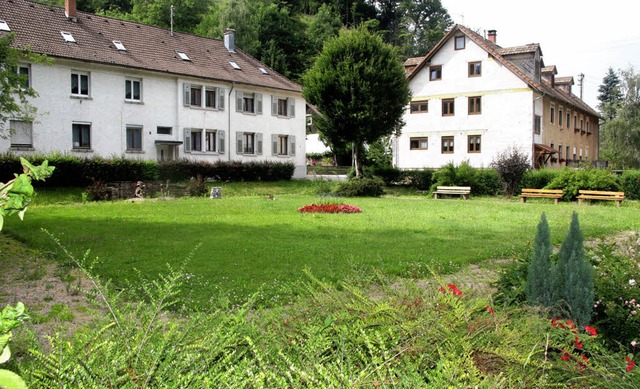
x: 118, y: 88
x: 472, y: 100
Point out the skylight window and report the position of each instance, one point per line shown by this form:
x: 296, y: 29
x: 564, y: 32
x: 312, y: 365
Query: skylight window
x: 4, y: 26
x: 183, y: 56
x: 67, y: 37
x: 263, y: 70
x: 235, y: 65
x: 119, y: 46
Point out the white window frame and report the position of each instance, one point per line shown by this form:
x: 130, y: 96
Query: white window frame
x: 129, y: 88
x: 131, y: 146
x: 24, y: 69
x: 80, y: 145
x: 79, y: 75
x: 17, y: 138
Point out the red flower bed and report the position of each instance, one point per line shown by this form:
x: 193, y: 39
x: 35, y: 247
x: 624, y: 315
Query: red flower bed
x: 329, y: 208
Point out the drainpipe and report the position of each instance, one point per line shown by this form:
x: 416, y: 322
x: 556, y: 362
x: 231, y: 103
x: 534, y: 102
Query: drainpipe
x: 233, y: 85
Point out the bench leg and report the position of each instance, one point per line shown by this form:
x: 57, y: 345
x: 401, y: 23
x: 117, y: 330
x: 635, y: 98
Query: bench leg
x: 619, y: 202
x: 579, y: 201
x: 465, y: 197
x: 435, y: 196
x: 523, y: 200
x: 556, y: 200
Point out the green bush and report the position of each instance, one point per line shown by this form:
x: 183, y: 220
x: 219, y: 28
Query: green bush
x: 539, y: 178
x: 361, y: 187
x: 630, y: 184
x: 390, y: 175
x: 419, y: 179
x: 481, y: 181
x: 571, y: 181
x: 487, y: 182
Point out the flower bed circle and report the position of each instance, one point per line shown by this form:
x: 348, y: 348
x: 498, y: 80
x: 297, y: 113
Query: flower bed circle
x: 329, y: 208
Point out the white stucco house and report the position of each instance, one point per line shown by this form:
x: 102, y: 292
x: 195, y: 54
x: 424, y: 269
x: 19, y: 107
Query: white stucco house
x: 118, y: 88
x: 472, y: 99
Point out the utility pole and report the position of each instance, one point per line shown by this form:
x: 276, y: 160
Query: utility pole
x: 580, y: 83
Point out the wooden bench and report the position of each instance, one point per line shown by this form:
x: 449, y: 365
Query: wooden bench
x: 600, y: 195
x: 463, y: 191
x: 554, y: 194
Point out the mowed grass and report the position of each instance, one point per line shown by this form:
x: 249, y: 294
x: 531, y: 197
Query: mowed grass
x: 252, y: 245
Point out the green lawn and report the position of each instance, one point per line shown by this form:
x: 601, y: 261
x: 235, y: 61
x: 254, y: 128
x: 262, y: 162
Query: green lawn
x: 253, y: 244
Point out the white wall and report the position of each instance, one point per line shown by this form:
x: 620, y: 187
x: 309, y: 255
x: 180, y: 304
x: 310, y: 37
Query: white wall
x: 162, y: 105
x: 506, y: 119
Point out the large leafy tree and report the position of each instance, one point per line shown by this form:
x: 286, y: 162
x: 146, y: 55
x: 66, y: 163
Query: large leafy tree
x: 620, y: 136
x: 14, y: 99
x: 609, y: 95
x: 360, y: 87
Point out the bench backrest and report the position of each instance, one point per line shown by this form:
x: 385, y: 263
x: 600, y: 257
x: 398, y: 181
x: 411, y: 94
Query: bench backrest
x: 601, y: 193
x: 543, y: 191
x: 454, y: 188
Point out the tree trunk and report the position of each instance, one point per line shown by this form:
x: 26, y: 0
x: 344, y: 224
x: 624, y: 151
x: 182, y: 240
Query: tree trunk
x: 356, y: 159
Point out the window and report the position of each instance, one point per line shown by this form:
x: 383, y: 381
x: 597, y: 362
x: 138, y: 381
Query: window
x: 134, y: 138
x: 419, y: 106
x: 281, y: 106
x: 67, y: 37
x: 560, y: 116
x: 435, y: 73
x: 552, y: 114
x: 133, y: 90
x: 588, y: 132
x: 4, y: 26
x: 235, y: 65
x: 248, y: 143
x: 459, y: 43
x: 203, y: 140
x: 537, y: 124
x: 475, y: 105
x: 581, y: 125
x: 283, y: 145
x: 25, y: 73
x: 559, y: 152
x: 80, y: 84
x: 447, y: 145
x: 421, y: 143
x: 567, y: 152
x: 263, y: 71
x: 575, y: 123
x: 81, y: 136
x: 21, y: 133
x: 248, y: 102
x: 183, y: 56
x: 475, y: 69
x: 568, y: 119
x: 448, y: 107
x: 474, y: 143
x: 119, y: 46
x: 164, y: 130
x: 197, y: 95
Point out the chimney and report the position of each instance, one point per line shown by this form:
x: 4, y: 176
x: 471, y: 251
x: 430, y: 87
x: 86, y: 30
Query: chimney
x: 492, y: 36
x: 70, y: 9
x: 230, y: 40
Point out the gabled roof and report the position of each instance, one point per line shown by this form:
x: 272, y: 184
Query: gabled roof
x: 499, y: 54
x: 550, y: 69
x: 147, y: 48
x: 564, y: 80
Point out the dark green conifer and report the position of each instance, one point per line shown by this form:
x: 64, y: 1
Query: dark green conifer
x: 539, y: 276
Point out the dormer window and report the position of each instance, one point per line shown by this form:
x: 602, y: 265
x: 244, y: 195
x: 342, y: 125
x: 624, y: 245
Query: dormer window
x: 119, y: 46
x: 4, y: 26
x: 235, y: 65
x: 183, y: 56
x: 68, y: 37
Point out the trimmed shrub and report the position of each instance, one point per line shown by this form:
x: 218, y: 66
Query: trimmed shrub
x: 538, y: 179
x: 571, y: 181
x: 361, y: 187
x: 419, y: 179
x: 452, y: 175
x: 487, y: 182
x: 630, y: 184
x: 390, y: 175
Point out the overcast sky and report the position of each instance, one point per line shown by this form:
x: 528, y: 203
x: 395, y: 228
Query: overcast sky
x: 577, y: 36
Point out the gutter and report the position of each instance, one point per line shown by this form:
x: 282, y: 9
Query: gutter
x: 233, y: 85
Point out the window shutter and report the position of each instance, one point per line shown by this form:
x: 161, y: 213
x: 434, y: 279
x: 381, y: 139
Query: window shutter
x: 221, y: 97
x: 187, y: 94
x: 292, y: 145
x: 259, y: 143
x: 239, y: 101
x: 239, y: 136
x: 258, y: 97
x: 274, y: 106
x: 274, y: 144
x: 187, y: 140
x: 220, y: 141
x: 292, y: 107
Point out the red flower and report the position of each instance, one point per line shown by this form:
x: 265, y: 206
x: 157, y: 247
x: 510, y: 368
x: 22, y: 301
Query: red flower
x: 570, y: 324
x: 490, y: 310
x: 455, y: 289
x: 556, y: 323
x: 578, y: 343
x: 631, y: 364
x: 564, y: 355
x: 590, y: 330
x: 441, y: 289
x: 583, y: 363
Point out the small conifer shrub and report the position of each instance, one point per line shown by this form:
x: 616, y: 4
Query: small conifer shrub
x: 539, y: 281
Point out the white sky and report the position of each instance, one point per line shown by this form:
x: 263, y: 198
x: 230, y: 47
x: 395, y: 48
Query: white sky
x: 578, y: 36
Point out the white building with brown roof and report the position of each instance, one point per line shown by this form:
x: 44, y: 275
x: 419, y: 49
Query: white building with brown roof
x: 472, y: 99
x: 122, y: 88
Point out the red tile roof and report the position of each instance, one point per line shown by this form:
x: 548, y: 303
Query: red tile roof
x: 148, y: 48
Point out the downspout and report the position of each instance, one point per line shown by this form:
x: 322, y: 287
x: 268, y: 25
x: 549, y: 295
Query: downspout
x: 233, y: 85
